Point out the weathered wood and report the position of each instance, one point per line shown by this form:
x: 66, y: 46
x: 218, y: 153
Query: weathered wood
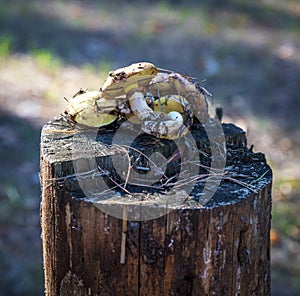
x: 220, y: 248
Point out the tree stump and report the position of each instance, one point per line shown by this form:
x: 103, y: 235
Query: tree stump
x: 105, y: 234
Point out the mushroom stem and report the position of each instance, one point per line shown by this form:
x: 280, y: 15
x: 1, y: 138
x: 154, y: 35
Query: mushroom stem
x: 168, y: 126
x: 140, y: 108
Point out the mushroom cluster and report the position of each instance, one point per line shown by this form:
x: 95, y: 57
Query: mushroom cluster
x: 162, y: 101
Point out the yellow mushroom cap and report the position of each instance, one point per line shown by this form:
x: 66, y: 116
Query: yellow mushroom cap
x: 170, y: 103
x: 122, y: 80
x: 91, y: 110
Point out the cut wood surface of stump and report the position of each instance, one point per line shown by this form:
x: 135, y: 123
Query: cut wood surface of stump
x: 107, y: 233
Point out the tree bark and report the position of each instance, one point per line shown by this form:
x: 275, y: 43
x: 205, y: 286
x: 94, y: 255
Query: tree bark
x: 221, y: 247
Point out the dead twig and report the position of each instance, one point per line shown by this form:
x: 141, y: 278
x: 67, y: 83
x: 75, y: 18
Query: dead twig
x: 115, y: 182
x: 259, y: 178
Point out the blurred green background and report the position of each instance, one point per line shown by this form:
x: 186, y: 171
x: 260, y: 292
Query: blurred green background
x: 247, y: 53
